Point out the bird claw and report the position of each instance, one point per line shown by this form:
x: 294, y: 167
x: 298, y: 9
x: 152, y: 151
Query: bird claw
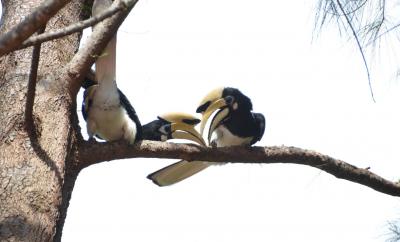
x: 92, y: 140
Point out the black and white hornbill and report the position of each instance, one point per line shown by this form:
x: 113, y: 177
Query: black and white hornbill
x: 107, y: 111
x: 174, y: 126
x: 233, y: 124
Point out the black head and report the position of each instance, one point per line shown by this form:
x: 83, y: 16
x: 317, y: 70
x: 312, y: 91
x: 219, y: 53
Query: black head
x: 233, y: 98
x: 240, y: 101
x: 229, y: 101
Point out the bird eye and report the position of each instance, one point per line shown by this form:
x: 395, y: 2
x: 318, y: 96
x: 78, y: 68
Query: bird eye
x: 229, y: 100
x: 165, y: 129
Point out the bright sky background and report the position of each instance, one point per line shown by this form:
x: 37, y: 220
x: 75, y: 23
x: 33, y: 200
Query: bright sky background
x: 314, y: 94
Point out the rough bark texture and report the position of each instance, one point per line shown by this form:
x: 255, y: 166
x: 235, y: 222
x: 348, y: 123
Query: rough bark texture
x: 92, y: 153
x: 34, y: 186
x: 76, y: 27
x: 29, y: 23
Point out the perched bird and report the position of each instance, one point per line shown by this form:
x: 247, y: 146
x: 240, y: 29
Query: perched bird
x: 107, y: 111
x: 234, y: 123
x: 174, y: 126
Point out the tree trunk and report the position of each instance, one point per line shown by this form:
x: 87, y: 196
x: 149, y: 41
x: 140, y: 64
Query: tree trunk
x: 36, y: 171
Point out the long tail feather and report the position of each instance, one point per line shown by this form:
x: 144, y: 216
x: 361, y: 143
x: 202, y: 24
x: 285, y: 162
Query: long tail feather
x: 177, y: 172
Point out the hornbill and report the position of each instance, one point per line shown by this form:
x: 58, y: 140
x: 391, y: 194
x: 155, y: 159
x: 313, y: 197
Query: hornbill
x: 107, y: 111
x: 233, y: 124
x: 174, y: 126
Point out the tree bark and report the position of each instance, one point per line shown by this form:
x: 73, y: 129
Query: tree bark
x: 93, y: 153
x: 35, y: 176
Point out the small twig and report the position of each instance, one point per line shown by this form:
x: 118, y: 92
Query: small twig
x: 382, y: 34
x: 359, y: 47
x: 11, y: 40
x: 30, y: 96
x: 73, y: 28
x: 93, y: 153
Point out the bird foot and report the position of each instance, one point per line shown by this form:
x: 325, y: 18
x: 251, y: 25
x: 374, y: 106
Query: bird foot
x: 92, y: 140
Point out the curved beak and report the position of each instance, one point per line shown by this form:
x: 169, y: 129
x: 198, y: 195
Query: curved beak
x: 185, y: 131
x: 221, y: 115
x: 221, y: 103
x: 181, y: 126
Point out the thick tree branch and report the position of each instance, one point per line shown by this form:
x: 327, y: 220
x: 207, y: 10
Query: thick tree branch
x: 30, y: 24
x: 73, y: 28
x: 92, y: 153
x: 86, y: 56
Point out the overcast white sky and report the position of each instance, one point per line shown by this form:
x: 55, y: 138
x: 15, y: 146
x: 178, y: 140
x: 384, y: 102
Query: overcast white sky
x: 314, y: 94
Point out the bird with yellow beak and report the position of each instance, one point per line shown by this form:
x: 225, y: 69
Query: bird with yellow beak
x: 233, y: 124
x: 174, y: 126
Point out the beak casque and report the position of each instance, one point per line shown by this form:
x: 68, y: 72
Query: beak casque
x: 178, y: 117
x: 209, y: 98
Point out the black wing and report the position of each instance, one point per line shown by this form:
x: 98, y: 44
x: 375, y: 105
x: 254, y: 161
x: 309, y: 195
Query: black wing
x: 131, y: 113
x: 260, y: 123
x: 85, y: 105
x: 87, y: 82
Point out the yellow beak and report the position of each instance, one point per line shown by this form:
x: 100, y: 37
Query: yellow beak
x: 178, y: 117
x: 220, y: 103
x: 216, y: 121
x: 185, y: 131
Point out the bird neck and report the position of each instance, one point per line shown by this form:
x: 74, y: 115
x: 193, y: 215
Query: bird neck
x: 107, y: 93
x: 106, y: 63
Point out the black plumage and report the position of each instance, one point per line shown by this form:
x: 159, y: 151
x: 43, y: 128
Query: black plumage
x: 131, y: 113
x: 152, y: 130
x: 240, y: 121
x: 234, y: 123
